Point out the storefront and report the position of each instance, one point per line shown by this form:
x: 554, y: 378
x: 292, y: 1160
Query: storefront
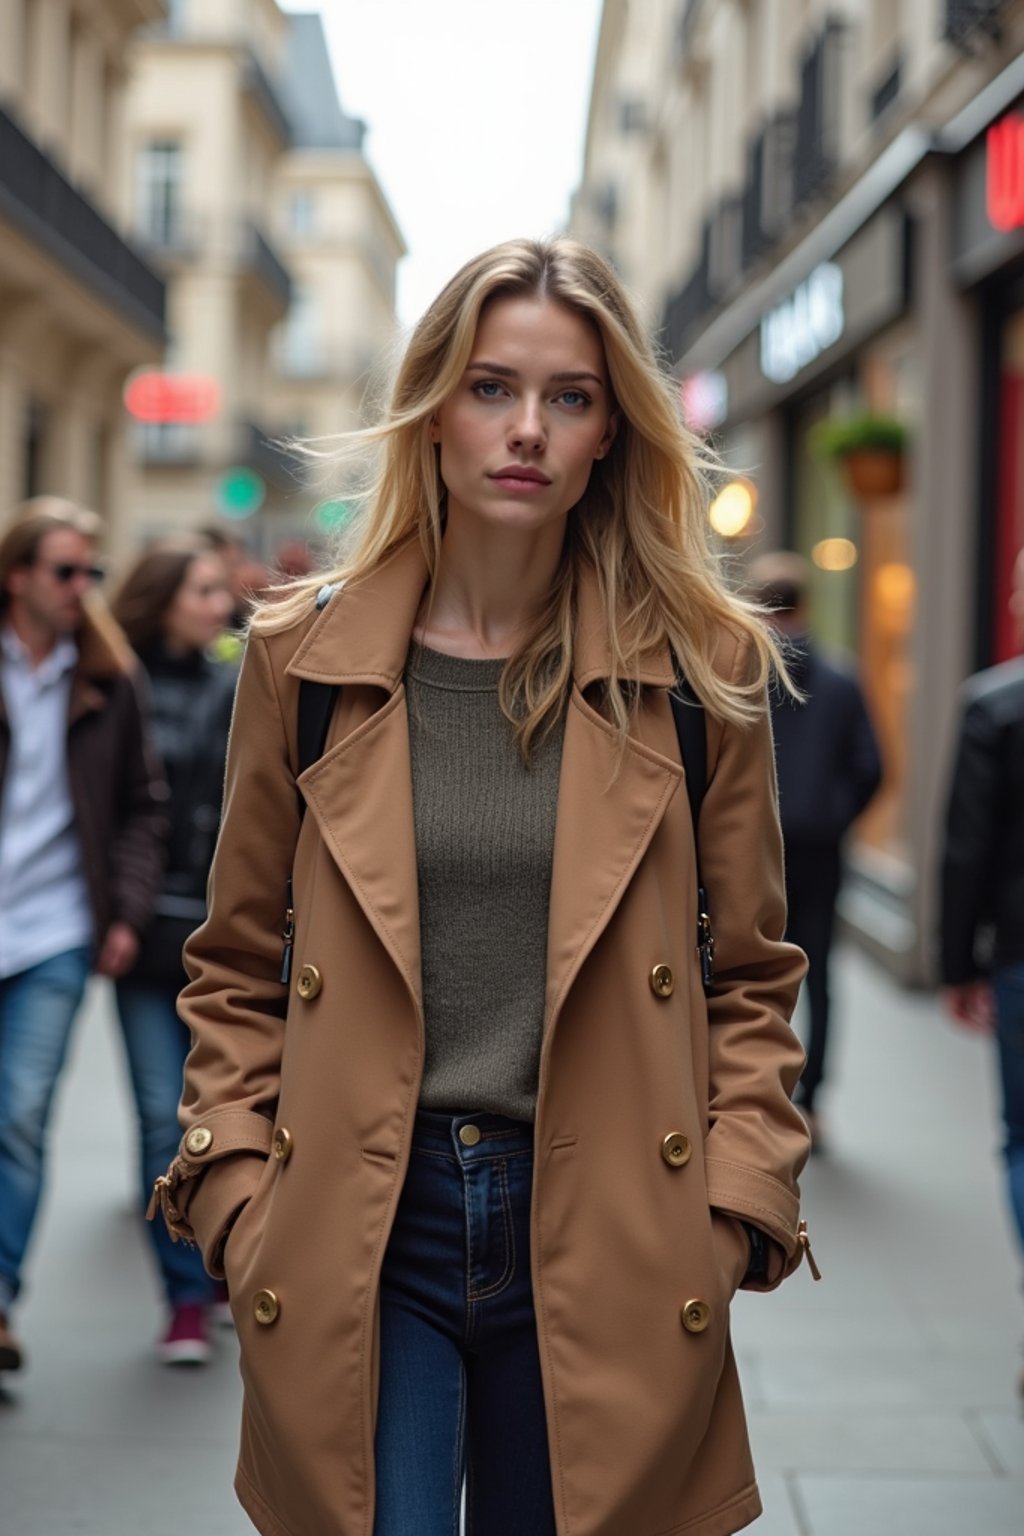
x: 989, y: 257
x: 838, y: 343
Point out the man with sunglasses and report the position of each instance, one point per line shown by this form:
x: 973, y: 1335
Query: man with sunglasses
x: 80, y: 835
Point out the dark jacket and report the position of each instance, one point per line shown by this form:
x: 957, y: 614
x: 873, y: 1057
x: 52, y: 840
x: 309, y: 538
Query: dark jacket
x: 117, y: 790
x: 982, y: 921
x: 826, y: 754
x: 191, y: 700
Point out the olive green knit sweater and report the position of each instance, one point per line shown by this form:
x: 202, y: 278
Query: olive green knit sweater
x: 485, y: 828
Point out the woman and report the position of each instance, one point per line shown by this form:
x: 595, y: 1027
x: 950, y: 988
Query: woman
x: 486, y: 1168
x: 173, y: 605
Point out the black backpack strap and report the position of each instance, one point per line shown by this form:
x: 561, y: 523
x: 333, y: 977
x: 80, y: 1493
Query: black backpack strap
x: 692, y: 731
x: 316, y: 705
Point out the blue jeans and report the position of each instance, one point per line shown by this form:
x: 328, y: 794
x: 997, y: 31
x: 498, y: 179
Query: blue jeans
x: 156, y: 1044
x: 37, y: 1010
x: 460, y: 1383
x: 1008, y: 984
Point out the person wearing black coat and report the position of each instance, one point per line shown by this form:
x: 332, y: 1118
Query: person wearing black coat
x: 981, y: 930
x: 829, y: 767
x: 173, y: 606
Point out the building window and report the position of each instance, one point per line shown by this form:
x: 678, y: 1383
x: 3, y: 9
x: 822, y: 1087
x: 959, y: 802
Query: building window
x: 301, y: 213
x: 33, y: 450
x: 158, y: 192
x: 301, y: 343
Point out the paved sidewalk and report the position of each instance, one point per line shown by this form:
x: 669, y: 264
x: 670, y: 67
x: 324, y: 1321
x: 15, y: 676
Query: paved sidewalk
x: 881, y: 1401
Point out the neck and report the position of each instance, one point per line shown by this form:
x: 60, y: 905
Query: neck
x: 489, y: 584
x: 37, y: 637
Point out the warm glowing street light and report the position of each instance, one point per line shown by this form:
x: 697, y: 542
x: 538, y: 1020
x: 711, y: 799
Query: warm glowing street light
x: 834, y: 554
x: 732, y: 511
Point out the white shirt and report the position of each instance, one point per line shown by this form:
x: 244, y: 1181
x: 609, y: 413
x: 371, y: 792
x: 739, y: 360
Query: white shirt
x: 44, y: 899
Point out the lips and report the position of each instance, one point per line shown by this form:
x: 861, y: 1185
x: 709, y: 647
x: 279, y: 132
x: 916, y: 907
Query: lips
x: 520, y: 474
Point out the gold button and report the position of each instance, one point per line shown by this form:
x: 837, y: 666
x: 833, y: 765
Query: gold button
x: 662, y: 981
x: 469, y: 1135
x: 696, y: 1315
x: 283, y: 1144
x: 265, y: 1308
x: 675, y: 1149
x: 199, y: 1139
x: 309, y: 983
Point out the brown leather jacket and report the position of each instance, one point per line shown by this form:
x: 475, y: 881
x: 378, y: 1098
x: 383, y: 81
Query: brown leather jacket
x: 117, y: 786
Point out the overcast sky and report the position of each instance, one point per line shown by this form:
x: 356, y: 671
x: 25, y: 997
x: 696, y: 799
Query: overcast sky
x: 476, y: 114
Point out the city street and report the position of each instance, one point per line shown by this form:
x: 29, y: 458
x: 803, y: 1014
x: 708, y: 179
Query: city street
x: 881, y: 1401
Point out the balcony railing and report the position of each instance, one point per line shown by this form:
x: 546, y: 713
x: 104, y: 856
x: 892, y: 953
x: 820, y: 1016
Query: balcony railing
x: 967, y: 21
x: 768, y: 194
x: 689, y: 304
x: 50, y: 211
x: 817, y: 121
x: 259, y: 256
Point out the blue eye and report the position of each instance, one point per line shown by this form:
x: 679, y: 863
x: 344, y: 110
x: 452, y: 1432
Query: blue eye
x: 574, y: 397
x: 488, y: 389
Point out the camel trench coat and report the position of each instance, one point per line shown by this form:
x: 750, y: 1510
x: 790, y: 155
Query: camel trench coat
x: 656, y: 1106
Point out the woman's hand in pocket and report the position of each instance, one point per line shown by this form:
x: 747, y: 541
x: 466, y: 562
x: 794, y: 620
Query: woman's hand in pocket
x: 732, y: 1248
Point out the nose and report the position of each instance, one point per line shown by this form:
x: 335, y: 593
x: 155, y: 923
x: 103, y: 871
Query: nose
x: 528, y: 431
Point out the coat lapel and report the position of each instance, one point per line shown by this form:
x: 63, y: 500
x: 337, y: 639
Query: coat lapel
x: 608, y: 812
x: 360, y: 792
x: 609, y: 803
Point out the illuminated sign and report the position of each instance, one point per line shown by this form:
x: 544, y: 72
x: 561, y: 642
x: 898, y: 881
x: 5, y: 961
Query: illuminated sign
x: 705, y: 400
x: 806, y: 324
x: 179, y: 397
x: 240, y: 492
x: 1004, y: 173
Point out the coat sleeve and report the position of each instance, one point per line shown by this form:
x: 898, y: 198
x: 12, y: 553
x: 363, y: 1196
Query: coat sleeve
x: 235, y: 1002
x: 757, y: 1141
x: 971, y: 836
x: 139, y: 842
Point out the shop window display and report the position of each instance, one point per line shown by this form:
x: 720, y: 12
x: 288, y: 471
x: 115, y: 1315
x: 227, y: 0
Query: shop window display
x: 864, y: 586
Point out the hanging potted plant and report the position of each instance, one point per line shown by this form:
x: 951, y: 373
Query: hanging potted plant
x: 871, y: 451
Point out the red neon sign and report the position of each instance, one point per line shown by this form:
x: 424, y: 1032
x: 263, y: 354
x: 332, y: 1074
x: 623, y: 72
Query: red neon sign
x: 1004, y: 173
x: 172, y: 397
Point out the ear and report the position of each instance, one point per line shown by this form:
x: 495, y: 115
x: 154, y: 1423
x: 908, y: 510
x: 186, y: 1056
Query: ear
x: 435, y: 430
x: 609, y: 436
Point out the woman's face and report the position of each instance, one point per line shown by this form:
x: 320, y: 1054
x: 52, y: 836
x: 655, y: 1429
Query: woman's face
x: 200, y: 608
x: 533, y: 410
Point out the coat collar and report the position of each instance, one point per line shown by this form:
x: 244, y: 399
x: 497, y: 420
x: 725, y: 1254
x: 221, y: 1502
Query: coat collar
x: 362, y: 635
x: 610, y: 803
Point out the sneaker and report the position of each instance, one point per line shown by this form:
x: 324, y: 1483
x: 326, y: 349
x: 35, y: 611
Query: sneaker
x: 186, y: 1341
x: 11, y: 1357
x: 219, y: 1311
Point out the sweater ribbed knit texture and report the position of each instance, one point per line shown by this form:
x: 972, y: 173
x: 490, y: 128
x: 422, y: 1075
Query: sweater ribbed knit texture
x: 485, y: 831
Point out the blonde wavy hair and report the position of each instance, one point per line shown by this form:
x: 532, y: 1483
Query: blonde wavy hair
x: 641, y: 524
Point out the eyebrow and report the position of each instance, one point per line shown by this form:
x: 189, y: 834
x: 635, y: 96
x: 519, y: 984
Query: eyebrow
x: 571, y: 376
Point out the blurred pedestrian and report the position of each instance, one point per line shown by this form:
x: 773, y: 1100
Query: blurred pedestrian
x: 80, y: 835
x: 982, y: 910
x: 484, y: 1199
x: 829, y: 767
x: 293, y: 558
x: 234, y: 556
x: 173, y: 605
